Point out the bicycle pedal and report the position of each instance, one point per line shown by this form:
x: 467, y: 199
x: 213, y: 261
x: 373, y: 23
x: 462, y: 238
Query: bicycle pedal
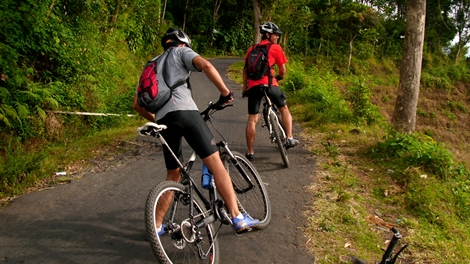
x: 243, y: 231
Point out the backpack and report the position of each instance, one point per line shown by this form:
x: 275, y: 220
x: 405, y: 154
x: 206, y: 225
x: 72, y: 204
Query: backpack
x: 151, y: 96
x: 256, y: 64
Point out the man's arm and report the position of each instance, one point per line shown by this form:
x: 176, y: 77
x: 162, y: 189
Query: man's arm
x: 211, y: 72
x: 149, y: 116
x: 245, y: 80
x: 282, y: 70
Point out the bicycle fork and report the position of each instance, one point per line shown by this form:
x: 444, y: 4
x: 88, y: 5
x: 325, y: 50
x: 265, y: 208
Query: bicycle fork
x: 239, y: 167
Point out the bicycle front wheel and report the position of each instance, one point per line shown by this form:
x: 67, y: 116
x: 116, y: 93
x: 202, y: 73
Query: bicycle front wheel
x: 168, y: 205
x: 280, y: 138
x: 252, y: 199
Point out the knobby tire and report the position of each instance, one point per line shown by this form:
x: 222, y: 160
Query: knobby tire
x: 173, y: 247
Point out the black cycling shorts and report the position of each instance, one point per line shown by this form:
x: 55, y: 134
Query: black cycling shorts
x: 255, y: 95
x: 191, y: 126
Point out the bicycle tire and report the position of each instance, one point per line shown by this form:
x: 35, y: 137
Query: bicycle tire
x: 254, y: 201
x: 279, y: 138
x: 177, y: 246
x: 266, y: 116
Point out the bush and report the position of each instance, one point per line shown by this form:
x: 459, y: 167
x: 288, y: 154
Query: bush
x: 323, y: 102
x: 358, y: 94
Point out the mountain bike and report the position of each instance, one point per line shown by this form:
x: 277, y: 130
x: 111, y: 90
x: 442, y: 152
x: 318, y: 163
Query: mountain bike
x: 189, y: 221
x: 387, y: 257
x: 277, y: 134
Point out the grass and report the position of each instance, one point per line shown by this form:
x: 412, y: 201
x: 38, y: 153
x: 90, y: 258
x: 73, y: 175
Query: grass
x: 71, y: 154
x: 357, y: 200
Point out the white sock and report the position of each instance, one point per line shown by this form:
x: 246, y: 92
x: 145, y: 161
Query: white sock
x: 240, y: 216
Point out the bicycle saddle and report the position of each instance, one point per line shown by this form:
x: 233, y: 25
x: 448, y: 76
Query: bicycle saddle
x: 150, y: 127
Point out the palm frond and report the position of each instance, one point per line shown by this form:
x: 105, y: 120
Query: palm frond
x: 7, y: 113
x: 30, y: 96
x: 21, y: 109
x: 4, y: 93
x: 4, y: 119
x: 41, y: 112
x: 53, y: 102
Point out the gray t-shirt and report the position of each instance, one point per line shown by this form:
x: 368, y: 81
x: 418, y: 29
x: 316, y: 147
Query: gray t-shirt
x: 179, y: 65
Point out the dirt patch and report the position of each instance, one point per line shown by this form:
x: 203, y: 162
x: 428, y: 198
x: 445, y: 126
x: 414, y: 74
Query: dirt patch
x: 443, y: 115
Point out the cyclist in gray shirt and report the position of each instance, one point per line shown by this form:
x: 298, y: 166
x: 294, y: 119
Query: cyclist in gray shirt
x: 181, y: 116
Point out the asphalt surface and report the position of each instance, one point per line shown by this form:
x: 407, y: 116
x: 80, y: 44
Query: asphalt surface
x: 99, y: 218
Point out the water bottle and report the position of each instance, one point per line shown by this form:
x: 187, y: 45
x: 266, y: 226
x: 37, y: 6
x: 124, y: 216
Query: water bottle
x: 206, y: 177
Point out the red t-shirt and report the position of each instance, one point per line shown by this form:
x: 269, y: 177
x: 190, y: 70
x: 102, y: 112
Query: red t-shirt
x: 275, y: 56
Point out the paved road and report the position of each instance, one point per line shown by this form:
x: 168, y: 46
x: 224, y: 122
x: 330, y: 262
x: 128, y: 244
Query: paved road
x: 99, y: 217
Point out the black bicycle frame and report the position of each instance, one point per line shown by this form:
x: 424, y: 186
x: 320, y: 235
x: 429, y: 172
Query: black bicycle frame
x: 387, y: 257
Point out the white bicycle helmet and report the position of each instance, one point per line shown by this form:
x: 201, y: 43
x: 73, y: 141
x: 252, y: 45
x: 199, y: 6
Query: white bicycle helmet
x: 175, y: 36
x: 270, y: 27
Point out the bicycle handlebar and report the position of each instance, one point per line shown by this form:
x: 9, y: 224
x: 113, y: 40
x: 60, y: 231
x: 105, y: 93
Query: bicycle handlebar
x: 212, y: 108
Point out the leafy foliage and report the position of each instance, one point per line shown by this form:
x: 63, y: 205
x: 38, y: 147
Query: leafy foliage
x: 416, y: 158
x: 359, y: 96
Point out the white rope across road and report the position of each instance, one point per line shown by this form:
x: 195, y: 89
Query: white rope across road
x: 88, y: 113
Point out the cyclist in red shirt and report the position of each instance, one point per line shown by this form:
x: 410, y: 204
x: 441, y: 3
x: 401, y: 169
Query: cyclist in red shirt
x: 270, y: 34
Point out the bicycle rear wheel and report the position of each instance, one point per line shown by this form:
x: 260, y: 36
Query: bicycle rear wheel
x: 255, y: 200
x: 169, y: 201
x: 280, y: 138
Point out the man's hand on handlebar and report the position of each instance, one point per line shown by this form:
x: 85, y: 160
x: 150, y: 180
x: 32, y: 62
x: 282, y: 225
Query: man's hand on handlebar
x: 225, y: 99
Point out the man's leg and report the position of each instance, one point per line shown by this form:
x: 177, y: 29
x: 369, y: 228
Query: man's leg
x: 286, y: 120
x: 165, y: 200
x: 250, y: 132
x: 223, y: 182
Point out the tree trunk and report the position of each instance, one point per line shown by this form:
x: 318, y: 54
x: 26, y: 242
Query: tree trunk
x: 185, y: 13
x: 404, y: 115
x: 163, y: 13
x: 215, y: 17
x: 351, y: 51
x: 256, y: 21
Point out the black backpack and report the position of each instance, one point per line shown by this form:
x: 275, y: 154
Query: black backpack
x: 150, y: 95
x: 256, y: 63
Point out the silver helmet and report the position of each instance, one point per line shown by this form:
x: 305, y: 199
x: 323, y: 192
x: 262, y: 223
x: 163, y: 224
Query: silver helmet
x: 270, y: 27
x: 174, y: 36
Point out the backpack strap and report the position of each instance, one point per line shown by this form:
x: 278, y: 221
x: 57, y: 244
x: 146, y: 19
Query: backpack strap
x: 270, y: 75
x: 246, y: 63
x: 165, y: 73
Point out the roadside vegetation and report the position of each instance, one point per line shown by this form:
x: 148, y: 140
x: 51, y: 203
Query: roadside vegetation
x: 343, y: 74
x: 371, y: 178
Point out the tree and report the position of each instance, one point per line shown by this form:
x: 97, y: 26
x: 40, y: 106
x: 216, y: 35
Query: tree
x: 256, y: 20
x: 404, y: 115
x: 462, y: 22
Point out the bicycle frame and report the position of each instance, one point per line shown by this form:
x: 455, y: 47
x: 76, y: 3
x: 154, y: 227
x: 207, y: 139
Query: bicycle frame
x: 277, y: 134
x: 268, y: 104
x: 387, y: 257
